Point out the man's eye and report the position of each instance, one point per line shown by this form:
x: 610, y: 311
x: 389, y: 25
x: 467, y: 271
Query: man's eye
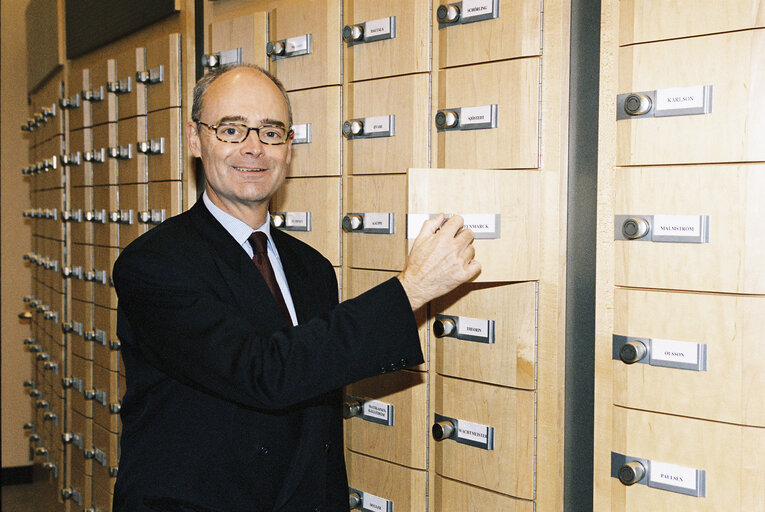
x: 230, y: 130
x: 272, y: 134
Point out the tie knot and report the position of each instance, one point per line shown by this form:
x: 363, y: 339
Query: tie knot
x: 259, y: 242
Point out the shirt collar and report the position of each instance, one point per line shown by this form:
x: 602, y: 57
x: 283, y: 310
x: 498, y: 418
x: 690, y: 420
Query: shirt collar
x: 237, y: 228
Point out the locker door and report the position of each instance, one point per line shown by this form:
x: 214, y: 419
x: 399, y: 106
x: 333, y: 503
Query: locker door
x: 106, y: 355
x: 486, y: 30
x: 309, y: 209
x: 385, y: 482
x: 107, y: 401
x: 317, y: 141
x: 104, y: 258
x: 132, y: 163
x: 163, y: 145
x: 488, y: 116
x: 248, y: 34
x: 508, y: 249
x: 132, y: 200
x: 104, y: 167
x: 391, y: 118
x: 164, y: 202
x: 103, y: 104
x: 304, y: 40
x: 105, y: 198
x: 131, y: 94
x: 676, y: 73
x: 163, y: 73
x: 78, y: 80
x: 75, y: 161
x: 385, y: 38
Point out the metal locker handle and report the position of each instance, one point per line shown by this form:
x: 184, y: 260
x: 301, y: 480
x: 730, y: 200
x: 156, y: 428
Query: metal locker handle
x: 633, y: 351
x: 631, y: 472
x: 443, y: 430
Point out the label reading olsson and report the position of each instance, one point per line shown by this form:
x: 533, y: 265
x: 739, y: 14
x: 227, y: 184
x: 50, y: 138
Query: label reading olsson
x: 674, y: 351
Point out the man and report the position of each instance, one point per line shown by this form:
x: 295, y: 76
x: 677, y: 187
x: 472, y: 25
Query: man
x: 233, y: 402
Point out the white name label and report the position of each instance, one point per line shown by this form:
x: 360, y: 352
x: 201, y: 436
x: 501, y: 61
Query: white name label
x: 676, y: 98
x: 296, y: 44
x: 377, y: 124
x: 376, y: 409
x: 374, y: 503
x: 481, y: 224
x: 475, y: 115
x: 378, y: 27
x: 473, y: 8
x: 301, y: 133
x: 296, y: 219
x: 376, y: 221
x: 674, y: 351
x: 473, y: 327
x: 663, y: 474
x: 473, y: 432
x: 677, y: 225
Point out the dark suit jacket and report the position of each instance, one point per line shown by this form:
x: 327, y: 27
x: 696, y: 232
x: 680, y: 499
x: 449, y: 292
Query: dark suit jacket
x: 227, y: 407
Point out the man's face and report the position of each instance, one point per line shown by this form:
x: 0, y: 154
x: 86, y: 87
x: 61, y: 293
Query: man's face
x: 241, y: 178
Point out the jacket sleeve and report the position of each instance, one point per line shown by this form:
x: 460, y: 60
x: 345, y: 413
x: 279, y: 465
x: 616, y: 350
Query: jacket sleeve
x: 176, y: 323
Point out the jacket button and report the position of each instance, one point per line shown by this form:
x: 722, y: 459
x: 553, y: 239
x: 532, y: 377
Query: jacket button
x: 383, y: 369
x: 392, y: 367
x: 404, y: 362
x: 263, y: 450
x: 326, y: 447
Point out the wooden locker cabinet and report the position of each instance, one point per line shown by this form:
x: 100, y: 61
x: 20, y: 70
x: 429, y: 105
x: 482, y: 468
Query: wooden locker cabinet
x: 407, y: 52
x: 454, y: 495
x: 108, y: 355
x: 320, y: 197
x: 357, y: 281
x: 321, y: 110
x: 133, y: 199
x: 105, y: 201
x: 728, y: 325
x: 163, y: 196
x: 248, y: 33
x: 729, y: 133
x: 728, y: 454
x: 322, y: 20
x: 514, y: 195
x: 376, y: 194
x: 103, y: 103
x: 510, y: 360
x: 732, y: 197
x: 82, y: 370
x: 104, y: 167
x: 405, y: 487
x: 103, y: 261
x: 400, y: 443
x: 164, y: 144
x: 130, y: 132
x: 406, y: 98
x: 641, y: 22
x: 165, y: 53
x: 76, y: 148
x: 516, y: 32
x: 79, y: 115
x: 131, y: 98
x: 108, y: 394
x: 513, y: 86
x: 509, y: 467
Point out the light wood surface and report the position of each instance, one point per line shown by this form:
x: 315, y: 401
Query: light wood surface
x: 406, y: 97
x: 402, y: 442
x: 515, y: 33
x: 408, y: 52
x: 667, y: 19
x: 164, y: 51
x: 132, y: 197
x: 733, y: 198
x: 321, y: 197
x: 105, y: 319
x: 130, y: 131
x: 321, y: 108
x: 127, y: 63
x: 451, y: 495
x: 165, y: 124
x: 514, y: 87
x: 511, y: 359
x: 514, y: 195
x: 248, y: 32
x: 404, y: 486
x: 105, y: 200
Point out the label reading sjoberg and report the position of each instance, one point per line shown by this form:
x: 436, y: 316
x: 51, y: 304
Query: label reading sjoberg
x: 671, y: 351
x: 375, y: 503
x: 663, y: 476
x: 377, y: 409
x: 473, y: 327
x: 377, y: 28
x: 475, y: 115
x: 296, y: 44
x: 380, y: 124
x: 475, y: 8
x: 677, y: 225
x: 376, y: 221
x: 680, y: 98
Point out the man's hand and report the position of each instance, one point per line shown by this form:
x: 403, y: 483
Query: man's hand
x: 441, y: 259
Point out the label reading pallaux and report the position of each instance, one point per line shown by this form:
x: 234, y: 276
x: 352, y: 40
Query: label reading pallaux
x: 676, y: 478
x: 477, y: 8
x: 475, y: 434
x: 296, y: 219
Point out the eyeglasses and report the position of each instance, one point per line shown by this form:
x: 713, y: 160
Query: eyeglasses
x: 236, y: 133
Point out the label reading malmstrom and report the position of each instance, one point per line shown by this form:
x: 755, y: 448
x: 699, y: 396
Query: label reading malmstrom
x: 677, y: 225
x: 476, y: 8
x: 475, y: 434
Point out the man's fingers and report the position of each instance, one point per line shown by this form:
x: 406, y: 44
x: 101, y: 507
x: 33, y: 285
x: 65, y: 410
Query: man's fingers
x: 452, y: 225
x: 432, y: 225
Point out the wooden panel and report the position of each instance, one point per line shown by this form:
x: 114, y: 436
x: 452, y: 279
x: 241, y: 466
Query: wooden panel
x: 82, y: 432
x: 730, y: 328
x: 667, y: 19
x: 511, y: 359
x: 406, y: 97
x: 104, y: 294
x: 731, y: 195
x: 515, y: 196
x: 408, y: 52
x: 133, y: 199
x: 130, y: 132
x: 165, y: 124
x: 405, y: 487
x: 321, y: 109
x: 320, y: 197
x: 515, y: 33
x: 509, y: 467
x: 452, y: 495
x: 106, y: 385
x: 248, y: 32
x: 104, y: 109
x: 82, y: 369
x: 164, y: 51
x: 402, y: 442
x: 76, y: 151
x: 79, y: 114
x: 729, y: 133
x: 82, y: 258
x: 82, y: 484
x: 104, y: 168
x: 376, y: 194
x: 729, y: 454
x: 102, y: 497
x: 164, y: 195
x: 511, y: 85
x: 105, y: 233
x: 81, y: 202
x: 321, y: 19
x: 105, y: 319
x: 356, y: 281
x: 133, y: 102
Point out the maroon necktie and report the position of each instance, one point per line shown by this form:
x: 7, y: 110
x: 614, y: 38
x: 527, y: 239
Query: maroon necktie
x: 259, y: 243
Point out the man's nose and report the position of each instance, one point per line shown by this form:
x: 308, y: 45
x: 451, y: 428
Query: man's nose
x: 252, y: 144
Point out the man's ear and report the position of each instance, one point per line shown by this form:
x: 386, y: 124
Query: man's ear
x: 192, y: 135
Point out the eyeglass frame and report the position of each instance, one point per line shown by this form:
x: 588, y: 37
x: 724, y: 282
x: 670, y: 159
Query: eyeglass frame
x: 214, y: 128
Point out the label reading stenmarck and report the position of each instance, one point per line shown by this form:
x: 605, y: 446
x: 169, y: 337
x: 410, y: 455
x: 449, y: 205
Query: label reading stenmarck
x: 475, y: 8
